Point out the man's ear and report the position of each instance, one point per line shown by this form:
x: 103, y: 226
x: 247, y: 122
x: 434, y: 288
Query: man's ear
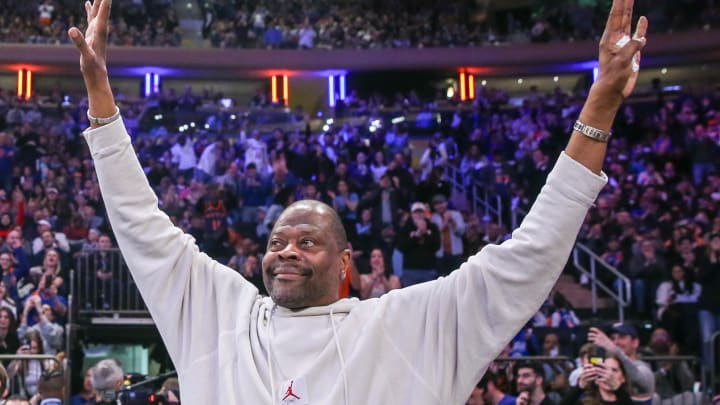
x: 345, y: 263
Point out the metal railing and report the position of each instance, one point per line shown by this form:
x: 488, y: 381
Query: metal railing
x: 583, y: 258
x: 713, y: 379
x: 493, y: 204
x: 478, y: 196
x: 103, y: 285
x: 43, y: 357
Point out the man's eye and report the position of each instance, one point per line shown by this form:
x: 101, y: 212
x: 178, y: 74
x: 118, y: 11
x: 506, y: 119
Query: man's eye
x: 308, y: 243
x: 275, y: 243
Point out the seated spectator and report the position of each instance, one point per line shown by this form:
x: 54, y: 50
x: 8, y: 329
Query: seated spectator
x: 603, y: 382
x: 381, y: 278
x: 564, y: 316
x: 491, y: 390
x: 646, y: 270
x: 17, y: 399
x: 530, y: 384
x: 87, y: 395
x: 624, y: 346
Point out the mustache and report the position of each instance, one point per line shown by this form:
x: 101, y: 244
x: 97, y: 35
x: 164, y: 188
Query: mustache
x: 295, y: 268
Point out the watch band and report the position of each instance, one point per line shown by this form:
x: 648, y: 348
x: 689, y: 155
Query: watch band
x: 592, y: 132
x: 104, y: 121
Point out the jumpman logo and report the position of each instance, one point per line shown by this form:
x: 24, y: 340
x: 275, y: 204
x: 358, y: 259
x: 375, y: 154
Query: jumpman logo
x: 289, y: 393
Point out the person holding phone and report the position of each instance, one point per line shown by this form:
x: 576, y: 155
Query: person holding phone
x: 602, y: 381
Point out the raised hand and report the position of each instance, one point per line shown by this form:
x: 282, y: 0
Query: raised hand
x: 619, y: 53
x: 93, y: 58
x: 93, y: 45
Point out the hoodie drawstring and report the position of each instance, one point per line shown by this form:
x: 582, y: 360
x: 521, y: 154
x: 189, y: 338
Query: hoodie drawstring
x: 340, y: 355
x: 269, y: 334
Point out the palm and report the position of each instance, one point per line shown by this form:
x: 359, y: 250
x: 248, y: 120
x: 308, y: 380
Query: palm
x: 92, y: 56
x: 616, y: 63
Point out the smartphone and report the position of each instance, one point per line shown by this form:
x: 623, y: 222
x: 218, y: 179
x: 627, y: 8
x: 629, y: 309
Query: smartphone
x: 598, y: 357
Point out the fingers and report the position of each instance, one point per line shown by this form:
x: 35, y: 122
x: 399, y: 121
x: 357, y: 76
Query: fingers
x: 104, y: 11
x: 615, y: 19
x: 637, y: 43
x: 79, y: 40
x: 627, y: 12
x: 96, y: 7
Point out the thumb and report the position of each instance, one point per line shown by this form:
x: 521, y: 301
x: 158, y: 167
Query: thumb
x: 79, y: 40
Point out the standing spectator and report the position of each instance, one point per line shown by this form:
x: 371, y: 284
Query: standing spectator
x: 306, y: 35
x: 646, y: 270
x: 183, y: 155
x: 677, y: 305
x: 50, y: 331
x: 25, y: 374
x: 418, y: 241
x: 709, y: 301
x: 7, y: 159
x: 207, y: 165
x: 452, y: 227
x: 9, y: 341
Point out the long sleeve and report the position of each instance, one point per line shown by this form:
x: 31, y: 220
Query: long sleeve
x: 451, y: 329
x: 640, y: 377
x: 180, y: 285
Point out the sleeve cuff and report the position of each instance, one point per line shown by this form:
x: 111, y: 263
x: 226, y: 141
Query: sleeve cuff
x: 576, y: 180
x: 106, y: 136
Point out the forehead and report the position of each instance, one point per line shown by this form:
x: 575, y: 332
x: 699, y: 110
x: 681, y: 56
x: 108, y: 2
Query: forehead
x: 303, y: 217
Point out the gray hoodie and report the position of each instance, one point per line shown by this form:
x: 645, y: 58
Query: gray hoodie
x: 427, y: 344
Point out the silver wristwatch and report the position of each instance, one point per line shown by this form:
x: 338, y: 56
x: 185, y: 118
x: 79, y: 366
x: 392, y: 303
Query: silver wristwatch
x: 104, y: 121
x: 591, y: 132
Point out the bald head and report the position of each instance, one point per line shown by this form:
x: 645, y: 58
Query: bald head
x: 307, y: 256
x: 331, y: 220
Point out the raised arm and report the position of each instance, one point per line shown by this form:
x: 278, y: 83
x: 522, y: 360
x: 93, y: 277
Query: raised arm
x: 619, y: 60
x: 179, y: 284
x: 469, y: 316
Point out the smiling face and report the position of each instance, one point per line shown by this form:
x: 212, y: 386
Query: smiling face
x: 306, y: 256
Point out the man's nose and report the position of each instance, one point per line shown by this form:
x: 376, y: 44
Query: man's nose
x: 289, y: 252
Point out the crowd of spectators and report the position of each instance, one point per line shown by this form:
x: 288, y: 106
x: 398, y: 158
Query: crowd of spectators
x: 135, y: 23
x: 657, y: 221
x: 422, y: 24
x: 325, y: 24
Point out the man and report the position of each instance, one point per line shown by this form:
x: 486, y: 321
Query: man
x: 493, y: 394
x: 51, y: 388
x: 427, y: 344
x: 624, y: 344
x: 418, y: 240
x: 452, y: 227
x: 55, y: 239
x: 107, y: 379
x: 530, y: 380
